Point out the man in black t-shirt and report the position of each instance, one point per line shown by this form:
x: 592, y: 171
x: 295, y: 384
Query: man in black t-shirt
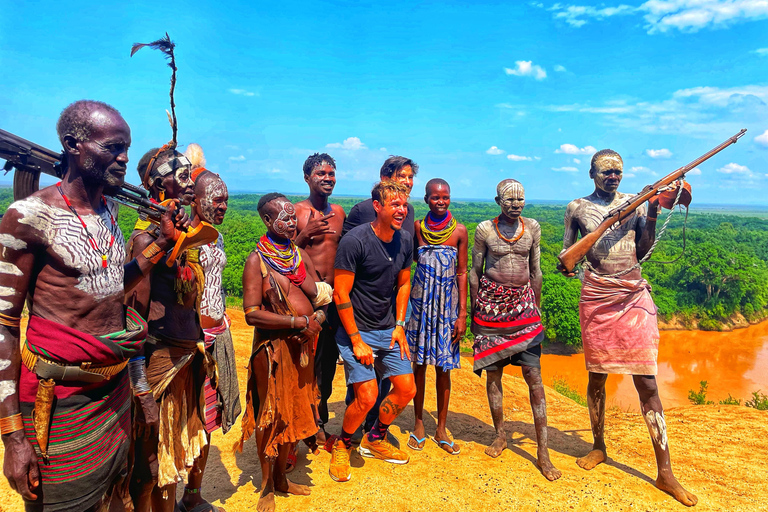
x: 395, y: 168
x: 373, y: 267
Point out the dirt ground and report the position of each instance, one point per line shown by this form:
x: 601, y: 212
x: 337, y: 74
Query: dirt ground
x: 718, y: 452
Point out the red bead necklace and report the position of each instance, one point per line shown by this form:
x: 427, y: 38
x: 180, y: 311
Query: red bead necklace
x: 88, y: 233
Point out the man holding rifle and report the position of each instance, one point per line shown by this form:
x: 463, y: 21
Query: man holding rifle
x: 64, y: 394
x: 616, y: 312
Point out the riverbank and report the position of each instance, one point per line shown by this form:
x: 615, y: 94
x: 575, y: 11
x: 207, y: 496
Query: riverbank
x: 718, y: 453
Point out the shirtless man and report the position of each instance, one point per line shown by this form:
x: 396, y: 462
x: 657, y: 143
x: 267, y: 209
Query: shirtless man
x: 505, y: 290
x: 176, y: 369
x: 62, y: 250
x: 318, y: 232
x: 222, y: 402
x: 278, y: 293
x: 619, y: 337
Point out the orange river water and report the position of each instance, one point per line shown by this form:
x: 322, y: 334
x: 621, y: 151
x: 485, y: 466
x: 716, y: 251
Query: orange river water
x: 731, y: 362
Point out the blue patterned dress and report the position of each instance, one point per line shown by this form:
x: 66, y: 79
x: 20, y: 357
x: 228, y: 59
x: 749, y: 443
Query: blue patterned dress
x: 435, y: 308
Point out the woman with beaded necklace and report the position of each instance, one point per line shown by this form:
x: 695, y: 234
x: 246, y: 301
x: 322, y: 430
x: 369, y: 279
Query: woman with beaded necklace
x: 439, y: 304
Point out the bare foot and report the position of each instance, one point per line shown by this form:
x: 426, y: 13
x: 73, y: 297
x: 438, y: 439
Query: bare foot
x: 266, y: 502
x: 190, y: 501
x: 671, y: 486
x: 496, y: 447
x: 288, y: 487
x: 321, y: 437
x: 546, y: 467
x: 592, y: 459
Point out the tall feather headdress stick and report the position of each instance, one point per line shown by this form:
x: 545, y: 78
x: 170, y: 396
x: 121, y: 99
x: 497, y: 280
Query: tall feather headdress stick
x: 166, y: 46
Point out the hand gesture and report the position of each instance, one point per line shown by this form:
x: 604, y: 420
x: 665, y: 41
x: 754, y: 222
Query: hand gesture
x: 398, y: 336
x: 459, y: 329
x: 175, y: 219
x: 20, y: 465
x: 363, y: 352
x: 147, y: 419
x: 318, y: 225
x: 310, y: 332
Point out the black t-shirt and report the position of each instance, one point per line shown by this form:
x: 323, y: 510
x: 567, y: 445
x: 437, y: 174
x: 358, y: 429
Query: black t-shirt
x: 376, y: 265
x: 363, y: 213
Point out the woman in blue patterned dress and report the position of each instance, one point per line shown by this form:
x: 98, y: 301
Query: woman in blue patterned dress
x: 439, y: 308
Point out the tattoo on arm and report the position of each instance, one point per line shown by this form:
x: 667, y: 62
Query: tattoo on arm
x: 345, y: 305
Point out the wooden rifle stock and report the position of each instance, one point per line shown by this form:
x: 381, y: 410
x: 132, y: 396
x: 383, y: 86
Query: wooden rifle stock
x: 570, y: 257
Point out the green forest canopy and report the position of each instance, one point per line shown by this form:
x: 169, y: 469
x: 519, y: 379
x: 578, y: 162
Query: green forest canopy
x: 722, y: 273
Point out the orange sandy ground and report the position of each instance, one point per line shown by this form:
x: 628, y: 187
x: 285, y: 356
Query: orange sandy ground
x: 718, y: 452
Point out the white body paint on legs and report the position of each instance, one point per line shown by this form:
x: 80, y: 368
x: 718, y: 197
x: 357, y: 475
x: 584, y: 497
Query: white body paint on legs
x: 7, y: 388
x: 4, y: 363
x: 62, y: 231
x: 10, y: 268
x: 5, y: 305
x: 12, y: 242
x: 7, y: 291
x: 657, y: 426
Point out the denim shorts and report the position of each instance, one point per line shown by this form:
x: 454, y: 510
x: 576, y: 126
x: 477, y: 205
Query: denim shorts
x: 387, y: 361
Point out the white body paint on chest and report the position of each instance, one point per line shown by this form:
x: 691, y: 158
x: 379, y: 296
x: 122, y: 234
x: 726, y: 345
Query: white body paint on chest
x: 65, y: 236
x: 7, y: 388
x: 213, y: 259
x: 10, y: 268
x: 11, y: 242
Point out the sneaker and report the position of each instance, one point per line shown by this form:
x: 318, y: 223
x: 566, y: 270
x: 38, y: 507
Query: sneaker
x: 382, y: 449
x: 339, y: 469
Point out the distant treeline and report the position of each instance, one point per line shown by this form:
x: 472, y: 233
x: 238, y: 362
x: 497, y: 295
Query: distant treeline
x: 723, y: 273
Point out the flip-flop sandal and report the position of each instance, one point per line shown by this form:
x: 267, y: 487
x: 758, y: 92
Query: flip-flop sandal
x: 446, y: 444
x: 290, y: 464
x: 419, y: 442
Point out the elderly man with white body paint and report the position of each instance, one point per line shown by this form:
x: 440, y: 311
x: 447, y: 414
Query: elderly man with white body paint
x: 65, y: 394
x: 505, y: 290
x: 617, y: 314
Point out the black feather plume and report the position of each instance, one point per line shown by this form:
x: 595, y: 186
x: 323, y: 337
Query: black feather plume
x: 166, y: 46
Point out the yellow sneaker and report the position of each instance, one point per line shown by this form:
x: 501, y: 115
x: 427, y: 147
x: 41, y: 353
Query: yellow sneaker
x: 382, y: 449
x: 339, y: 469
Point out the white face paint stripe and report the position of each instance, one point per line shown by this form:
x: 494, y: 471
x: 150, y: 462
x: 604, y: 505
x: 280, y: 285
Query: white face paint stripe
x: 12, y: 242
x: 10, y: 268
x: 4, y: 363
x: 7, y: 388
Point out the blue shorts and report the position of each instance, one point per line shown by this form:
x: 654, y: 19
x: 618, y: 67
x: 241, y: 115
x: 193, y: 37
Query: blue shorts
x: 386, y: 360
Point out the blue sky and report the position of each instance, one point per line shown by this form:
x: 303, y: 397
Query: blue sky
x: 473, y: 93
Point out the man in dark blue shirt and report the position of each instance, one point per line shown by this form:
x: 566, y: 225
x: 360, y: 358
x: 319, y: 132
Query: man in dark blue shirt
x: 373, y: 267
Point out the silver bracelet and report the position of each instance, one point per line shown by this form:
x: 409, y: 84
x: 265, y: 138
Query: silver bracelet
x: 137, y: 374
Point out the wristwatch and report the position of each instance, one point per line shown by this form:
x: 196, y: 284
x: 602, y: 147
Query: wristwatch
x: 401, y: 323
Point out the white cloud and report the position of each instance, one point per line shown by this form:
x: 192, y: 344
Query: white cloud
x: 493, y: 150
x: 694, y: 172
x: 350, y: 144
x: 576, y: 161
x: 641, y: 170
x: 527, y: 68
x: 577, y: 15
x: 658, y: 153
x: 570, y: 149
x: 734, y: 168
x: 383, y: 149
x: 243, y: 92
x: 763, y: 52
x: 275, y: 170
x: 668, y: 15
x: 762, y: 139
x: 565, y: 169
x: 240, y: 158
x: 518, y: 158
x: 560, y: 69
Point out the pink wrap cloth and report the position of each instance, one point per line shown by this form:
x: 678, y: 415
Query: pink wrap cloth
x: 618, y: 325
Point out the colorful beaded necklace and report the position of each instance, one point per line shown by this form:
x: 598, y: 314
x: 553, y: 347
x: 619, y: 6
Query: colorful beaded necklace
x: 88, y: 233
x: 437, y: 232
x: 284, y: 258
